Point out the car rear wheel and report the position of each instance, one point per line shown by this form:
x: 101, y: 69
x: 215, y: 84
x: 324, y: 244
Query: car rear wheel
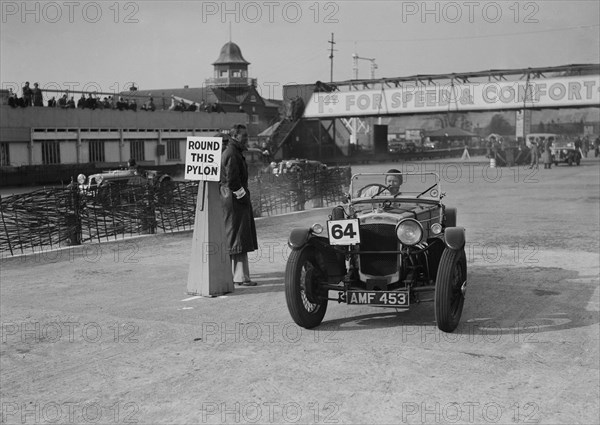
x: 449, y: 298
x: 301, y: 279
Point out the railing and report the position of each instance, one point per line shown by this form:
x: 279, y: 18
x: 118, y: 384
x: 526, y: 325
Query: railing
x: 58, y: 217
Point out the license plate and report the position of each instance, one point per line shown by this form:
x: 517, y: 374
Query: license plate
x: 391, y: 298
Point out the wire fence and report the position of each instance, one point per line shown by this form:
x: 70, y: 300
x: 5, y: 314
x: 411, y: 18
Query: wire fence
x: 59, y: 217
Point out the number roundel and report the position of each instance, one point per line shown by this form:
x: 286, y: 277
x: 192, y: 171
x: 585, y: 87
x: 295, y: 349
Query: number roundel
x: 343, y: 232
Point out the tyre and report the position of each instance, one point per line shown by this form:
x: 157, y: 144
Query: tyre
x: 300, y: 273
x: 449, y: 298
x: 578, y: 160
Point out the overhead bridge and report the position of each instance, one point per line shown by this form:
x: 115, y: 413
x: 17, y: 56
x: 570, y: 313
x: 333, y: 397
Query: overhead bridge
x: 568, y: 86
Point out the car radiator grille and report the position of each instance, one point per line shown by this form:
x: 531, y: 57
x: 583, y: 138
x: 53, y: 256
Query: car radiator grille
x: 378, y: 237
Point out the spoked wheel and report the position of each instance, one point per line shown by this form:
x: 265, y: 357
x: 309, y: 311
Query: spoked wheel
x: 449, y: 298
x: 301, y: 273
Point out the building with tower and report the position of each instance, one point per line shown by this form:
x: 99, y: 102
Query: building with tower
x: 50, y: 144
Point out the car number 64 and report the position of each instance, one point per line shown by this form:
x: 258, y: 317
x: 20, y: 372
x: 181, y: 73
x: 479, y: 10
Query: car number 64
x: 343, y: 232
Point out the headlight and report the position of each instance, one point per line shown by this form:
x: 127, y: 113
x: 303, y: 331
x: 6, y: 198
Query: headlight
x: 99, y: 180
x: 81, y: 179
x: 436, y: 228
x: 317, y: 228
x: 409, y: 232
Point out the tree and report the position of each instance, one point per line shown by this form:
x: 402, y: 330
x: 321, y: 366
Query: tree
x: 499, y: 125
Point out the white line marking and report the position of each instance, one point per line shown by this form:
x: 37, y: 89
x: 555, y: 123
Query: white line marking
x: 195, y: 297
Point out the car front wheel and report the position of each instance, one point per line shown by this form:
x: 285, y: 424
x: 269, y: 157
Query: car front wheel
x: 449, y: 297
x: 301, y: 275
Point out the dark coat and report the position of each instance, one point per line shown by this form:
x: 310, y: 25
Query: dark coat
x: 240, y: 230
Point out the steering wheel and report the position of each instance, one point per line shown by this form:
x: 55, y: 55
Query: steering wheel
x: 380, y: 186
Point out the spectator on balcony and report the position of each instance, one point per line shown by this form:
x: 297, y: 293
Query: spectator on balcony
x: 27, y: 95
x: 132, y: 105
x: 52, y: 102
x: 90, y: 102
x: 81, y: 103
x: 13, y: 100
x: 71, y: 103
x: 62, y: 102
x: 149, y: 105
x: 121, y: 104
x: 36, y: 94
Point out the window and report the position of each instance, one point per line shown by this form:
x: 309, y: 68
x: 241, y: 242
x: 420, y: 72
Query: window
x: 136, y: 150
x: 51, y: 152
x: 96, y: 150
x: 4, y: 157
x: 223, y: 73
x: 252, y: 98
x: 173, y: 150
x: 254, y: 119
x: 236, y: 73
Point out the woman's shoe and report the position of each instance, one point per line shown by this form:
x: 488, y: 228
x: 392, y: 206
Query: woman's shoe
x: 248, y: 283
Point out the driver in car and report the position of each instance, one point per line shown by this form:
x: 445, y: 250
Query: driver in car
x: 392, y: 183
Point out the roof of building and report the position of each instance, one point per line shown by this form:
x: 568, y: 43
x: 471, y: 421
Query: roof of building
x: 231, y: 54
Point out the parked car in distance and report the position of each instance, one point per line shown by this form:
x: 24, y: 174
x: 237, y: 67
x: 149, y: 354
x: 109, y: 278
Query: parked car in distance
x: 296, y: 165
x: 562, y: 150
x: 565, y: 152
x: 109, y: 188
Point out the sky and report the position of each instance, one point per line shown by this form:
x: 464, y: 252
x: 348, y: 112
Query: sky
x: 107, y: 45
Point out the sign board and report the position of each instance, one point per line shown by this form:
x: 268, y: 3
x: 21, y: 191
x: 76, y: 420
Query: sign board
x: 203, y: 158
x: 410, y: 98
x: 413, y: 135
x: 519, y: 124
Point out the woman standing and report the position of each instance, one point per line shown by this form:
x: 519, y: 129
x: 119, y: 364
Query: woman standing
x: 240, y: 229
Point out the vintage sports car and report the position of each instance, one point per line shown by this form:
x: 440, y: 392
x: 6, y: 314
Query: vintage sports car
x: 381, y: 249
x: 565, y: 152
x: 561, y: 149
x: 115, y: 187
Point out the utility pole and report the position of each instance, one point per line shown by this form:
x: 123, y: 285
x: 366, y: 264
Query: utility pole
x: 355, y: 58
x: 331, y: 59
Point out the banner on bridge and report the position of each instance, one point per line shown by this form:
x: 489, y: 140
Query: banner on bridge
x: 411, y: 98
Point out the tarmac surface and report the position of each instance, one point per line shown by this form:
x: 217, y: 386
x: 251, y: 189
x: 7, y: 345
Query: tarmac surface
x: 107, y: 333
